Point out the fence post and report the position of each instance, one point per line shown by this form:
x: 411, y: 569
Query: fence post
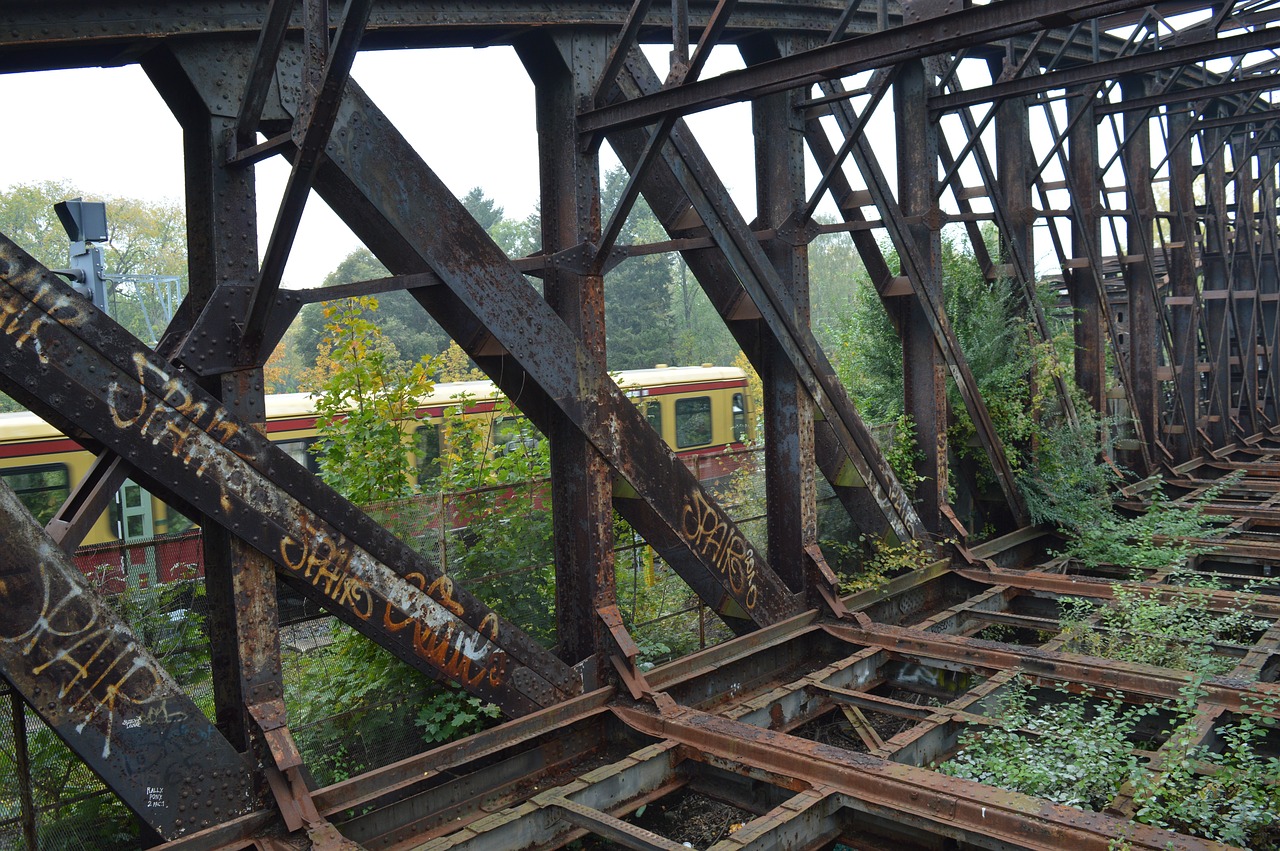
x: 23, y: 759
x: 443, y: 531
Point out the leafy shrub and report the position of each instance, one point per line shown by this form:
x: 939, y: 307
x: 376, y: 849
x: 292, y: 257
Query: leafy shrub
x: 1166, y: 535
x: 887, y: 560
x: 1070, y: 752
x: 1077, y: 751
x: 1176, y: 630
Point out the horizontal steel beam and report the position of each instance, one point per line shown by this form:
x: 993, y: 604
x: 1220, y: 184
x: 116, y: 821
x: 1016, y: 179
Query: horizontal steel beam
x: 961, y: 809
x: 943, y: 34
x: 1198, y: 94
x: 1169, y: 57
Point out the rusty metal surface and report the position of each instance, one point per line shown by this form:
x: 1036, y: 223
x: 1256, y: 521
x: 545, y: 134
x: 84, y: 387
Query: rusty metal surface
x: 93, y: 682
x: 1192, y: 322
x: 545, y: 366
x: 173, y: 431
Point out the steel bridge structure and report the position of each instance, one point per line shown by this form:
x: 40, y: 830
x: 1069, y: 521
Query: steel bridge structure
x: 1132, y: 144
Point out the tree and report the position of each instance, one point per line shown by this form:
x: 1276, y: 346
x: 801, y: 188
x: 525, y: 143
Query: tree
x: 456, y: 366
x: 27, y: 217
x: 363, y: 404
x: 146, y: 239
x: 483, y: 209
x: 402, y: 319
x: 835, y: 274
x: 284, y: 370
x: 637, y: 293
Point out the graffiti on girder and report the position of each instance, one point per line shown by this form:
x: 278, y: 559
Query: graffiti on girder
x: 721, y: 546
x: 157, y: 418
x: 89, y: 677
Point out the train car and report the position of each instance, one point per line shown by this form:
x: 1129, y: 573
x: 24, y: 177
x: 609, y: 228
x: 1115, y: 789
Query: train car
x: 699, y: 411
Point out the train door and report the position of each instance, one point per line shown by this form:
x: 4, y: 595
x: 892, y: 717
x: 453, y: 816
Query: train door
x: 137, y: 526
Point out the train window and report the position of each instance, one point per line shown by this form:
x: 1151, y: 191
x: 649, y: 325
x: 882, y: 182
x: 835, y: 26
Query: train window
x: 693, y: 421
x: 42, y: 489
x: 427, y: 451
x: 136, y: 520
x: 739, y: 417
x: 300, y: 451
x: 511, y: 434
x: 653, y: 413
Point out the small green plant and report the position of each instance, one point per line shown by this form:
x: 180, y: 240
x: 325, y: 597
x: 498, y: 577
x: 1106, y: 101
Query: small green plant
x: 887, y: 560
x: 1078, y: 750
x: 1176, y: 630
x: 1228, y: 795
x: 903, y: 453
x: 503, y: 549
x: 1166, y: 535
x: 450, y: 713
x: 997, y: 632
x: 1074, y: 751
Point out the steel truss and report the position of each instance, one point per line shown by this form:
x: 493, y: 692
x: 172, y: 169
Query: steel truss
x: 1046, y: 119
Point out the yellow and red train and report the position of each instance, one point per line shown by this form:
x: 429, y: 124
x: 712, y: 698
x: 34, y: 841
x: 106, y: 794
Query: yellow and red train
x: 700, y: 410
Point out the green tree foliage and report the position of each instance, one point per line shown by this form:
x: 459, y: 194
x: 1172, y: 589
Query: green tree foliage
x: 27, y: 217
x: 353, y: 695
x: 1057, y: 463
x: 835, y: 275
x: 1079, y: 750
x: 984, y: 316
x: 497, y: 475
x: 403, y: 321
x: 364, y: 402
x: 637, y: 293
x: 147, y: 238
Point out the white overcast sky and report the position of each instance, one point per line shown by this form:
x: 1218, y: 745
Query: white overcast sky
x: 470, y: 113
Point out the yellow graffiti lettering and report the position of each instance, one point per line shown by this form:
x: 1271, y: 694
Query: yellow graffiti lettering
x: 723, y: 547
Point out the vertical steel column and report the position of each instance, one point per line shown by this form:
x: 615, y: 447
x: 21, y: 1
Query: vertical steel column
x: 222, y: 242
x: 924, y: 371
x: 1214, y: 264
x: 1090, y: 338
x: 1269, y: 279
x: 1243, y: 286
x: 790, y: 485
x: 1144, y: 335
x: 1182, y: 284
x: 564, y: 70
x: 1013, y: 152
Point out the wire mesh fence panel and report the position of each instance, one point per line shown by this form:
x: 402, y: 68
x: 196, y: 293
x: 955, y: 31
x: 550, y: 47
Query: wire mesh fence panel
x: 67, y: 807
x: 665, y: 618
x: 354, y: 707
x: 496, y: 542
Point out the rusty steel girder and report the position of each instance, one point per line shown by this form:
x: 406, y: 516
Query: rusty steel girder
x: 78, y: 664
x: 82, y: 366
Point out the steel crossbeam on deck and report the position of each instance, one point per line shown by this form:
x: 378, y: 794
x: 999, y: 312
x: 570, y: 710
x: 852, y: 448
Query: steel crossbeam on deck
x: 815, y: 718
